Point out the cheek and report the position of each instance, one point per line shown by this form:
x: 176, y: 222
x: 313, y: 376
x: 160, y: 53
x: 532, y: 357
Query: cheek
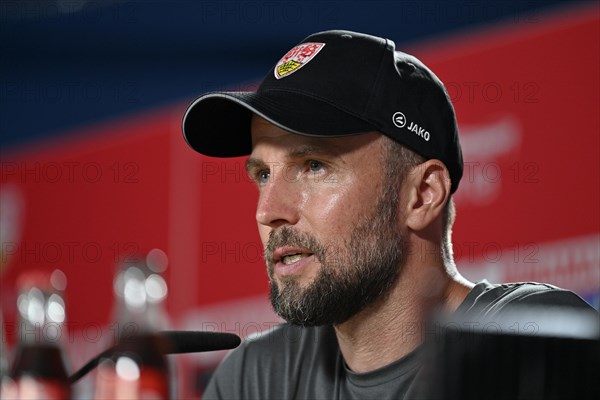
x: 329, y: 208
x: 338, y: 207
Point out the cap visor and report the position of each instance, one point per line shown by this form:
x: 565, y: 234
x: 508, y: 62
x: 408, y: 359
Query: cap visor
x: 218, y: 124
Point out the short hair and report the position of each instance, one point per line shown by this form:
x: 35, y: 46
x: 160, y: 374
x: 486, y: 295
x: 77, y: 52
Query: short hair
x: 399, y: 160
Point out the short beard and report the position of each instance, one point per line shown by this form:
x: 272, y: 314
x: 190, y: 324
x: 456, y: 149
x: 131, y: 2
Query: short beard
x: 352, y: 275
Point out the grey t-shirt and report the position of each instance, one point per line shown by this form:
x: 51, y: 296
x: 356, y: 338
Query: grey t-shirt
x: 291, y: 362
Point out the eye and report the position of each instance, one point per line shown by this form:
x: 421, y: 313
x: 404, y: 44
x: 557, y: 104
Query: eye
x: 315, y: 166
x: 263, y: 176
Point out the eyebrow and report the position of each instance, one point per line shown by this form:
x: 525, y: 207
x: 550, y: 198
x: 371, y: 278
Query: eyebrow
x: 297, y: 152
x: 253, y: 163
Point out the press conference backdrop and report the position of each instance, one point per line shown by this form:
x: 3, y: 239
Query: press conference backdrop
x: 94, y: 168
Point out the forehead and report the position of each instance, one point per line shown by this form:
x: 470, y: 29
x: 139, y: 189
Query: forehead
x: 266, y: 134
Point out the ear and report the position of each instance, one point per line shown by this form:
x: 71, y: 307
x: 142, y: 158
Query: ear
x: 428, y: 191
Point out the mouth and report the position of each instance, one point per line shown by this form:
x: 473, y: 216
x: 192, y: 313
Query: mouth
x: 292, y: 258
x: 289, y: 260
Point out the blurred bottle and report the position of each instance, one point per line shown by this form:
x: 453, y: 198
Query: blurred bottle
x: 138, y: 369
x: 39, y: 368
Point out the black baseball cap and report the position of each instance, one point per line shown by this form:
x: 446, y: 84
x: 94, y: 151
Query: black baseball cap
x: 335, y: 83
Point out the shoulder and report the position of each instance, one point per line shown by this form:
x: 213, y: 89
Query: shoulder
x: 486, y: 298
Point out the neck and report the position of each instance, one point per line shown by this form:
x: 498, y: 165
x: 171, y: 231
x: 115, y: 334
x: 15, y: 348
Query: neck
x: 394, y: 326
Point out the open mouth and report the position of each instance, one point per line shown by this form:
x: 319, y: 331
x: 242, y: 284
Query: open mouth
x: 292, y: 258
x: 288, y: 255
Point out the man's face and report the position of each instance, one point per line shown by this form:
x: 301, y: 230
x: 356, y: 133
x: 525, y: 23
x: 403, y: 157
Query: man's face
x: 328, y: 220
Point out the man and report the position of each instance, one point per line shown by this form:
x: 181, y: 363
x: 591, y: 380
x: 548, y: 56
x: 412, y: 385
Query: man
x: 354, y: 149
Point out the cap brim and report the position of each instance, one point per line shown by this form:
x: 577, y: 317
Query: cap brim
x: 218, y: 124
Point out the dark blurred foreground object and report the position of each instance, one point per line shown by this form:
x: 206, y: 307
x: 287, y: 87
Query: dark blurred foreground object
x: 525, y: 353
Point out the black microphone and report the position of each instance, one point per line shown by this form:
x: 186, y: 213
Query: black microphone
x: 196, y: 341
x: 177, y: 342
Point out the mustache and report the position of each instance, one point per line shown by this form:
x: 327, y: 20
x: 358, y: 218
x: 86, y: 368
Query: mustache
x: 286, y: 236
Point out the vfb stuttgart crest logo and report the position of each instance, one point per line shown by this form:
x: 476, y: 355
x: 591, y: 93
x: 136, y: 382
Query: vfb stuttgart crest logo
x: 296, y: 58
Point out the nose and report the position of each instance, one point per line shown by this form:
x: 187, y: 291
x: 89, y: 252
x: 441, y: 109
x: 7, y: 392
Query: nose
x: 279, y: 202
